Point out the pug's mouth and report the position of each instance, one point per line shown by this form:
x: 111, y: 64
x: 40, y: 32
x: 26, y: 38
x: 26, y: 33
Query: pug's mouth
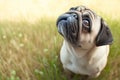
x: 68, y: 26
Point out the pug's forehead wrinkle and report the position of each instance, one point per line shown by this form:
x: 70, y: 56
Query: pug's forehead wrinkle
x: 81, y: 8
x: 89, y: 13
x: 92, y: 14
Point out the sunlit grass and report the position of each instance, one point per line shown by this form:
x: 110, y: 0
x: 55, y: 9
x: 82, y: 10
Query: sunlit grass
x: 22, y: 44
x: 31, y: 50
x: 30, y: 43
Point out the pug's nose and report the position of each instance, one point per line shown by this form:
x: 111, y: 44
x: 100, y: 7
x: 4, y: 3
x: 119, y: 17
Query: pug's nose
x: 67, y: 17
x: 62, y: 17
x: 74, y: 15
x: 71, y: 17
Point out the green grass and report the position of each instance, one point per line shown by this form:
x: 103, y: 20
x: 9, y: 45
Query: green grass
x: 30, y: 51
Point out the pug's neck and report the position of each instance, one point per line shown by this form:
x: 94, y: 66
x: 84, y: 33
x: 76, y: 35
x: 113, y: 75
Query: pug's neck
x: 80, y: 51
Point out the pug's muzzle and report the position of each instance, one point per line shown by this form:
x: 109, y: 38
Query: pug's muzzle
x: 68, y: 26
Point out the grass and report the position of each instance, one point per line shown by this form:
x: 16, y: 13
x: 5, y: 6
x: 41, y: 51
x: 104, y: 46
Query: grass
x: 24, y: 45
x: 30, y: 51
x: 30, y: 44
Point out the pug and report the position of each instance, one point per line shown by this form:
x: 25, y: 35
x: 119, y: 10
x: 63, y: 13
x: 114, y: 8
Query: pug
x: 86, y: 43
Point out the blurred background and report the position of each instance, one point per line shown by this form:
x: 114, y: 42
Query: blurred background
x: 30, y: 43
x: 34, y: 9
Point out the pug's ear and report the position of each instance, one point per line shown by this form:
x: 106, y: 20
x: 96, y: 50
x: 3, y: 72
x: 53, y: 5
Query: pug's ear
x: 104, y: 36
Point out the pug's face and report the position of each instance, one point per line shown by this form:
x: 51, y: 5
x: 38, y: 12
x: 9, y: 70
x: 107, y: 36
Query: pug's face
x: 82, y: 27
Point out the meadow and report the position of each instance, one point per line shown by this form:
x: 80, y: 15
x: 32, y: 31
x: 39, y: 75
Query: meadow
x: 30, y: 43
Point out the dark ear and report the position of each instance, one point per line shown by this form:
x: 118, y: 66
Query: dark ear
x: 104, y: 36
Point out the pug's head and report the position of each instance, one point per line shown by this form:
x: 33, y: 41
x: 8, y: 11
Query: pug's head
x: 82, y: 27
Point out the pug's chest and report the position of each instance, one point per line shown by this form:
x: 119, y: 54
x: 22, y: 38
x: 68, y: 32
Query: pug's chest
x: 80, y: 65
x: 79, y: 62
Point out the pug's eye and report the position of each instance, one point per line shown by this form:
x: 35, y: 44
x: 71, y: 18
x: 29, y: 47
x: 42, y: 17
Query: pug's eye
x: 86, y: 22
x: 86, y: 25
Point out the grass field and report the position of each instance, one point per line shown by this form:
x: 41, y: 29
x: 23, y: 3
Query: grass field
x: 30, y: 43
